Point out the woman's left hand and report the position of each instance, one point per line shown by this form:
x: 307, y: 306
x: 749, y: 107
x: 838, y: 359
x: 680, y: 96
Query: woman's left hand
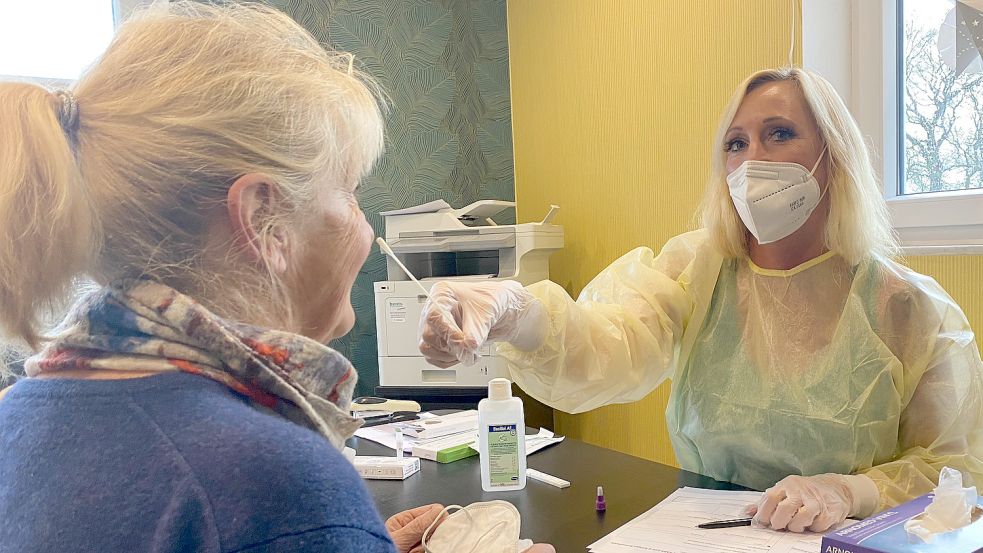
x: 814, y: 503
x: 407, y: 528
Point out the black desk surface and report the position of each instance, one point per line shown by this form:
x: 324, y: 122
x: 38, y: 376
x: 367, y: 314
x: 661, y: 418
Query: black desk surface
x: 563, y: 517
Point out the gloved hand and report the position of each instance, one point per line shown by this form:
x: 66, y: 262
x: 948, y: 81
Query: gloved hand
x: 816, y: 503
x: 460, y: 317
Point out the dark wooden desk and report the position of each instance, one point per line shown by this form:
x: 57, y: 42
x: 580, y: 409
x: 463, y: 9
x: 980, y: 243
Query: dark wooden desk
x: 565, y: 518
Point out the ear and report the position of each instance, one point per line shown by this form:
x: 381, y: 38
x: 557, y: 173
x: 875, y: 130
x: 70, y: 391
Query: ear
x: 249, y: 198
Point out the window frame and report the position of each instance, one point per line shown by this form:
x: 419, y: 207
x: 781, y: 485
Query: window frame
x: 869, y: 78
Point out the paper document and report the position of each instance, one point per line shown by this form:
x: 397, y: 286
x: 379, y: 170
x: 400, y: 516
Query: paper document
x: 385, y: 434
x: 670, y: 527
x: 443, y: 425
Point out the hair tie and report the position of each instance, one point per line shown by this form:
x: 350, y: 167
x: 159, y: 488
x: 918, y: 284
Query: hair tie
x: 68, y: 112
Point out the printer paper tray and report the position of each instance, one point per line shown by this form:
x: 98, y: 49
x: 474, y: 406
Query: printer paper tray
x: 457, y: 277
x: 453, y: 243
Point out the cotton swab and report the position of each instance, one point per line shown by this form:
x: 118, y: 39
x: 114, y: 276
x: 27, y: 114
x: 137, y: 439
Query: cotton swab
x: 389, y: 251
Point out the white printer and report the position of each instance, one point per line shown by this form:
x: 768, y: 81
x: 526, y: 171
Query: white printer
x: 437, y: 242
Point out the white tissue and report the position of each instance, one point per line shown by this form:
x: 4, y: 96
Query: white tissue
x: 951, y: 508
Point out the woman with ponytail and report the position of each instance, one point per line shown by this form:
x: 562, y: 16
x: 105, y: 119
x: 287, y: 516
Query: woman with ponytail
x: 202, y: 173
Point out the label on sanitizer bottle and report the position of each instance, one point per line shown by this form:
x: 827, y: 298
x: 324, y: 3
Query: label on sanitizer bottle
x: 503, y: 454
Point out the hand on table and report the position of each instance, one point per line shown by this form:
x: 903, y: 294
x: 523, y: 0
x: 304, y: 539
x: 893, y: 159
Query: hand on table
x: 814, y: 503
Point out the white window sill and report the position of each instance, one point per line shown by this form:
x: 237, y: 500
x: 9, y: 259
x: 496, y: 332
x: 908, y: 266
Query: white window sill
x: 947, y: 223
x: 941, y: 250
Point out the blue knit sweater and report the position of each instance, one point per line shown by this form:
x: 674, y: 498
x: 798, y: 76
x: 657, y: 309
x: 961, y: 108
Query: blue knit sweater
x: 170, y: 463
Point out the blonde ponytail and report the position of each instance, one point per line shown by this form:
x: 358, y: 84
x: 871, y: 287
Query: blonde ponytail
x: 47, y: 232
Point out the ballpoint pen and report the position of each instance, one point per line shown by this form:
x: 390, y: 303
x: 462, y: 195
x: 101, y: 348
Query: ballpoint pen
x: 726, y: 523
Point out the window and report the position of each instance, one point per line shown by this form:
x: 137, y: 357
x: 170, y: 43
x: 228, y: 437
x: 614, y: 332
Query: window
x: 937, y: 199
x: 923, y: 119
x: 53, y: 40
x: 941, y: 97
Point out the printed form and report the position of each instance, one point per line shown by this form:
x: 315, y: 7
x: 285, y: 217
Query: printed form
x: 670, y: 527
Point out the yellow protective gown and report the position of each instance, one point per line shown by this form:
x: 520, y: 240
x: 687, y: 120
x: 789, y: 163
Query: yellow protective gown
x: 870, y: 369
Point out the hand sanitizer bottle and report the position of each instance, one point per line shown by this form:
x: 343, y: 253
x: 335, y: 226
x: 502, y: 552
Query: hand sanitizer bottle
x: 501, y: 439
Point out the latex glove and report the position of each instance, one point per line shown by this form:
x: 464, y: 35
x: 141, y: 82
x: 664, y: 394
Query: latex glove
x: 815, y: 503
x: 460, y: 317
x: 406, y: 528
x: 540, y: 548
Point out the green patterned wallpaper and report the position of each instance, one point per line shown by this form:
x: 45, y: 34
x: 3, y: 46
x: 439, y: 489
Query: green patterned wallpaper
x: 444, y: 64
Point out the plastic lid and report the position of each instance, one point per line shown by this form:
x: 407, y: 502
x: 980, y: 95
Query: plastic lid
x: 499, y: 388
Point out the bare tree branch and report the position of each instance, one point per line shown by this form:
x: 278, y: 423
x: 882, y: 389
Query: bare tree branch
x: 943, y: 119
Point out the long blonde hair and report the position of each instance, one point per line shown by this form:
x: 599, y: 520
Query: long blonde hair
x: 858, y: 225
x: 187, y: 98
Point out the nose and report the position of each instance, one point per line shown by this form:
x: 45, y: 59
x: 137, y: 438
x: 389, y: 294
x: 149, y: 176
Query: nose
x: 754, y: 151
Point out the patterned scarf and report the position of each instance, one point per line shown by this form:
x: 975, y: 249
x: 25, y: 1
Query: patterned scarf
x: 141, y: 325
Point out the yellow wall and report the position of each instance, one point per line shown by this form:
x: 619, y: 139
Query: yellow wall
x: 613, y: 108
x: 960, y: 275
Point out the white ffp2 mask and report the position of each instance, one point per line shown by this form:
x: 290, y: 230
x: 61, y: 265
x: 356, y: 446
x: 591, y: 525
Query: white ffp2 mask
x: 774, y: 198
x: 489, y: 526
